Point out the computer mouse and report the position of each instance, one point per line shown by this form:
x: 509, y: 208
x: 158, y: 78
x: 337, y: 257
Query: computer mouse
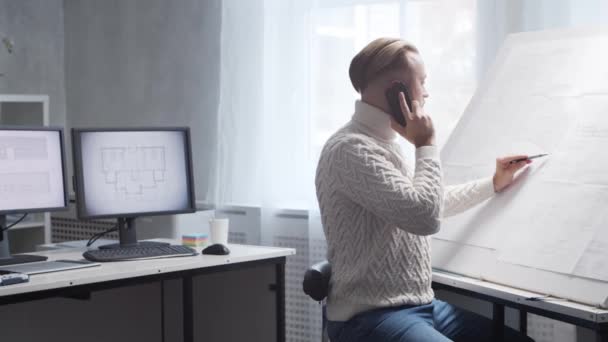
x: 216, y: 249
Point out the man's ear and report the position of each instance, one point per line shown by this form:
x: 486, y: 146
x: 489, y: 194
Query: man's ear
x: 399, y: 75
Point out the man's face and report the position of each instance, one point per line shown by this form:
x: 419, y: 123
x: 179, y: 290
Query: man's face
x: 418, y: 76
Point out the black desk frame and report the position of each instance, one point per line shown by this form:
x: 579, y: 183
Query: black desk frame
x: 498, y: 313
x: 83, y: 292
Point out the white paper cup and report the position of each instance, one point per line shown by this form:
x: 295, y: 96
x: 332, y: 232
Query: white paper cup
x: 218, y: 231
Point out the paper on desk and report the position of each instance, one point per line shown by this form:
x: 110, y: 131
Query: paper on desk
x: 529, y: 125
x: 594, y: 261
x: 486, y: 224
x: 594, y: 54
x: 551, y: 232
x: 536, y: 74
x: 546, y: 91
x: 581, y: 156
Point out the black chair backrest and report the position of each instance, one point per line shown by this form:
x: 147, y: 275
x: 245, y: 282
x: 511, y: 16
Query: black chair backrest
x: 316, y: 280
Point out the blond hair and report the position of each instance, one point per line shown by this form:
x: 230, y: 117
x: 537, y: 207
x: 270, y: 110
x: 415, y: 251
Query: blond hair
x: 378, y: 57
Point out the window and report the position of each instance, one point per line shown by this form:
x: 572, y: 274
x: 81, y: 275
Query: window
x: 443, y: 30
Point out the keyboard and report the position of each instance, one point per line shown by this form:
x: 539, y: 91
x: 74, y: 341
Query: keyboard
x: 21, y: 259
x: 139, y: 253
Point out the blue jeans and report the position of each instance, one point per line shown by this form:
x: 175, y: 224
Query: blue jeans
x: 436, y: 321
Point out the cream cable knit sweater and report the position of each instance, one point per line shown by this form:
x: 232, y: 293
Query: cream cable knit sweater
x: 378, y: 214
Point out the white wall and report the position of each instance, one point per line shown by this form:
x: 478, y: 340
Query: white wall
x: 146, y: 63
x: 36, y: 66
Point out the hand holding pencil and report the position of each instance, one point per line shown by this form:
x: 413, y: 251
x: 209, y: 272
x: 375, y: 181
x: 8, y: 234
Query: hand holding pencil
x: 506, y: 167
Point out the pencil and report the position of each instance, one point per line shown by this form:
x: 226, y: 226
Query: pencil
x: 530, y: 157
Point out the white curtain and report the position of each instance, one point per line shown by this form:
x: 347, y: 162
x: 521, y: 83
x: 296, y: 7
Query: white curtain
x: 285, y: 89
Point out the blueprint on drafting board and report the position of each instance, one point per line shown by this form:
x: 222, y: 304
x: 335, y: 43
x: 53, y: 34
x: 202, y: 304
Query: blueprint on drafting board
x: 546, y: 93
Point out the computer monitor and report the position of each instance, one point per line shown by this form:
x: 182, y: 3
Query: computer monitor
x: 125, y: 173
x: 32, y: 178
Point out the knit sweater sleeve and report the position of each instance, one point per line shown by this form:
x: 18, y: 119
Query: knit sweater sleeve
x: 458, y: 198
x: 363, y: 173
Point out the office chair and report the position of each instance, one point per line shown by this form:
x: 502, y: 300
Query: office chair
x: 316, y: 286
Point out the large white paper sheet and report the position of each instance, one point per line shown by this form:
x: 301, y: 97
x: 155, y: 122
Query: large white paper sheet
x: 594, y: 261
x: 582, y: 156
x: 552, y: 233
x: 486, y: 225
x: 548, y: 93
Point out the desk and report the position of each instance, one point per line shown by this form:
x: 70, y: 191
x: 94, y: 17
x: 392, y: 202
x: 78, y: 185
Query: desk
x: 501, y: 296
x: 79, y: 283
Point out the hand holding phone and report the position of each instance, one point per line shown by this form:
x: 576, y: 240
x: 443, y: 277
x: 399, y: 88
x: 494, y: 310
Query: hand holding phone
x: 417, y: 127
x: 392, y: 97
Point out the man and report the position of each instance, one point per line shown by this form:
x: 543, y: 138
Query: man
x: 378, y: 212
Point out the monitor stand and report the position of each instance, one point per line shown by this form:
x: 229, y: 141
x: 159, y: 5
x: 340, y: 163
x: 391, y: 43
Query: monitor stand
x: 128, y: 237
x: 6, y: 258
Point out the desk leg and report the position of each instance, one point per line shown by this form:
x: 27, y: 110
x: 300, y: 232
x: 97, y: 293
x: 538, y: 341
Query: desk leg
x: 162, y: 310
x: 187, y: 306
x: 280, y: 291
x: 523, y: 322
x: 498, y: 316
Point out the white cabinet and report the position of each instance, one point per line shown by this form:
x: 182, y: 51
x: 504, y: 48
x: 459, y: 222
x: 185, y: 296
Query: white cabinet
x: 26, y: 110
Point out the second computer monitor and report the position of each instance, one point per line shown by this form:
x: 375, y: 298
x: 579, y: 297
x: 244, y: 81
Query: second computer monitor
x: 133, y: 172
x: 32, y: 179
x: 31, y: 170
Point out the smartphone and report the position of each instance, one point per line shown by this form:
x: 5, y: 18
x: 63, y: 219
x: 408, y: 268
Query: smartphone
x: 392, y: 96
